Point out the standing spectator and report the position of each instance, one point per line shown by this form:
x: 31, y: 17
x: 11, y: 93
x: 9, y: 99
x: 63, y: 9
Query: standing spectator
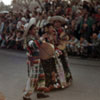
x: 47, y: 5
x: 97, y: 16
x: 87, y: 22
x: 84, y: 32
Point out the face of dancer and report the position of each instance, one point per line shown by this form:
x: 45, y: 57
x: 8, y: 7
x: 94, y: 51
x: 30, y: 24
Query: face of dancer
x: 51, y: 30
x: 33, y: 31
x: 57, y: 24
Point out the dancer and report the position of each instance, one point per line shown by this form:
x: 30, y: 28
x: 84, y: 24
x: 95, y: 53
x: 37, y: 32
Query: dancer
x: 62, y: 39
x: 61, y: 58
x: 36, y: 80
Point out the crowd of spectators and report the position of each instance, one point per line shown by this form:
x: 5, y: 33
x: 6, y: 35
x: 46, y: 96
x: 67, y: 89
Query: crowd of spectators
x: 82, y: 25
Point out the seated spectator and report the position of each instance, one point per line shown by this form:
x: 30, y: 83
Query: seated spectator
x: 19, y: 40
x: 21, y: 23
x: 7, y: 37
x: 2, y: 40
x: 96, y: 45
x: 82, y: 47
x: 94, y: 29
x: 71, y: 46
x: 98, y: 27
x: 11, y: 40
x: 99, y: 35
x: 97, y: 16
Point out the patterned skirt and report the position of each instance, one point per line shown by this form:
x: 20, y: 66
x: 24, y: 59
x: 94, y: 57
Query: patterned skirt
x: 51, y: 76
x: 64, y: 61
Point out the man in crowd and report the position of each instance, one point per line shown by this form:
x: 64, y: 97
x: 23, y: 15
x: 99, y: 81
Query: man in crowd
x: 71, y: 46
x: 95, y: 45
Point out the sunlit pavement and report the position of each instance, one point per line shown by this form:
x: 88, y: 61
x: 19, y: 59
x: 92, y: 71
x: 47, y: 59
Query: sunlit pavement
x: 13, y: 76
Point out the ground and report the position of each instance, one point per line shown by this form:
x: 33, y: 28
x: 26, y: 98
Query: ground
x: 13, y: 76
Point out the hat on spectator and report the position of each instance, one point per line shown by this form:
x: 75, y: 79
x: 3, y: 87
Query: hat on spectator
x: 30, y: 14
x: 23, y: 19
x: 57, y: 18
x: 78, y: 11
x: 32, y: 20
x: 26, y: 25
